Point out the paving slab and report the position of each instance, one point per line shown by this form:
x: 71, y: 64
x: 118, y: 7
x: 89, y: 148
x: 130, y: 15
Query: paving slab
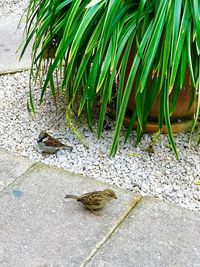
x: 10, y: 41
x: 156, y: 234
x: 38, y: 227
x: 11, y: 167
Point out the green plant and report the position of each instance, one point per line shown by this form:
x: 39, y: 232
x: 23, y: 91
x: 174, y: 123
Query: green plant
x: 87, y: 43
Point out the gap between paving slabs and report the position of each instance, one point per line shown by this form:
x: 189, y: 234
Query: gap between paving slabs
x: 112, y: 231
x: 155, y: 234
x: 18, y: 179
x: 39, y: 227
x: 12, y: 167
x: 11, y: 72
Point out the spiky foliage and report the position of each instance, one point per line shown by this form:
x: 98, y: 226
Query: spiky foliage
x: 88, y: 42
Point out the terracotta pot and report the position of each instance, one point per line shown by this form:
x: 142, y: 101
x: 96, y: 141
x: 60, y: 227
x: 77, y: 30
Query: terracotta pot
x: 181, y: 112
x: 177, y: 127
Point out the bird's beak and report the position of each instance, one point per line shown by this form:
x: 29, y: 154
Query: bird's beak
x: 115, y: 197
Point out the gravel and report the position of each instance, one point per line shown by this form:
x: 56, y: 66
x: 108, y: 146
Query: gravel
x: 12, y: 6
x: 158, y: 174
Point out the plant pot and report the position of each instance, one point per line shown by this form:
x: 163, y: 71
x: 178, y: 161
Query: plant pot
x: 181, y: 119
x: 152, y: 127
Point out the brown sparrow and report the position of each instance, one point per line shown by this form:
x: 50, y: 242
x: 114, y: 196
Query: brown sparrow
x: 48, y: 144
x: 95, y: 200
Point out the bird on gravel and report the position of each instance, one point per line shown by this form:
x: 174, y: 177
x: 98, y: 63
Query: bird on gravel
x: 49, y: 145
x: 95, y: 200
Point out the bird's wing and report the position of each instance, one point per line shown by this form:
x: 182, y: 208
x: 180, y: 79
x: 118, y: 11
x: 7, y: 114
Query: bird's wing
x: 90, y: 198
x: 50, y: 141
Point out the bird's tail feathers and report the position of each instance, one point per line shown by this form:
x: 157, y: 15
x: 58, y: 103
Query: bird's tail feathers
x: 71, y: 196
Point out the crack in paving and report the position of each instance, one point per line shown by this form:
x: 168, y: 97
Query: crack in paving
x: 112, y: 231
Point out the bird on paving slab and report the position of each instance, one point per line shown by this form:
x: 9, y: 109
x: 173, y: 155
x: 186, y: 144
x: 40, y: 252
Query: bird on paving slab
x: 95, y: 200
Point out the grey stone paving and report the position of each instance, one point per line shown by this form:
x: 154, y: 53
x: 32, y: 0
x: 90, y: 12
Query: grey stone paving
x: 10, y: 41
x: 156, y: 234
x: 38, y: 227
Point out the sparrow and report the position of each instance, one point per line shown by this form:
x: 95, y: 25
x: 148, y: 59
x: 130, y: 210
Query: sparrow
x: 48, y: 144
x: 95, y: 200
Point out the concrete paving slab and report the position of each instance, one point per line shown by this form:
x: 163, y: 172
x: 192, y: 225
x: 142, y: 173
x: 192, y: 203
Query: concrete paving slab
x: 10, y: 41
x: 11, y: 167
x: 38, y: 227
x: 156, y: 234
